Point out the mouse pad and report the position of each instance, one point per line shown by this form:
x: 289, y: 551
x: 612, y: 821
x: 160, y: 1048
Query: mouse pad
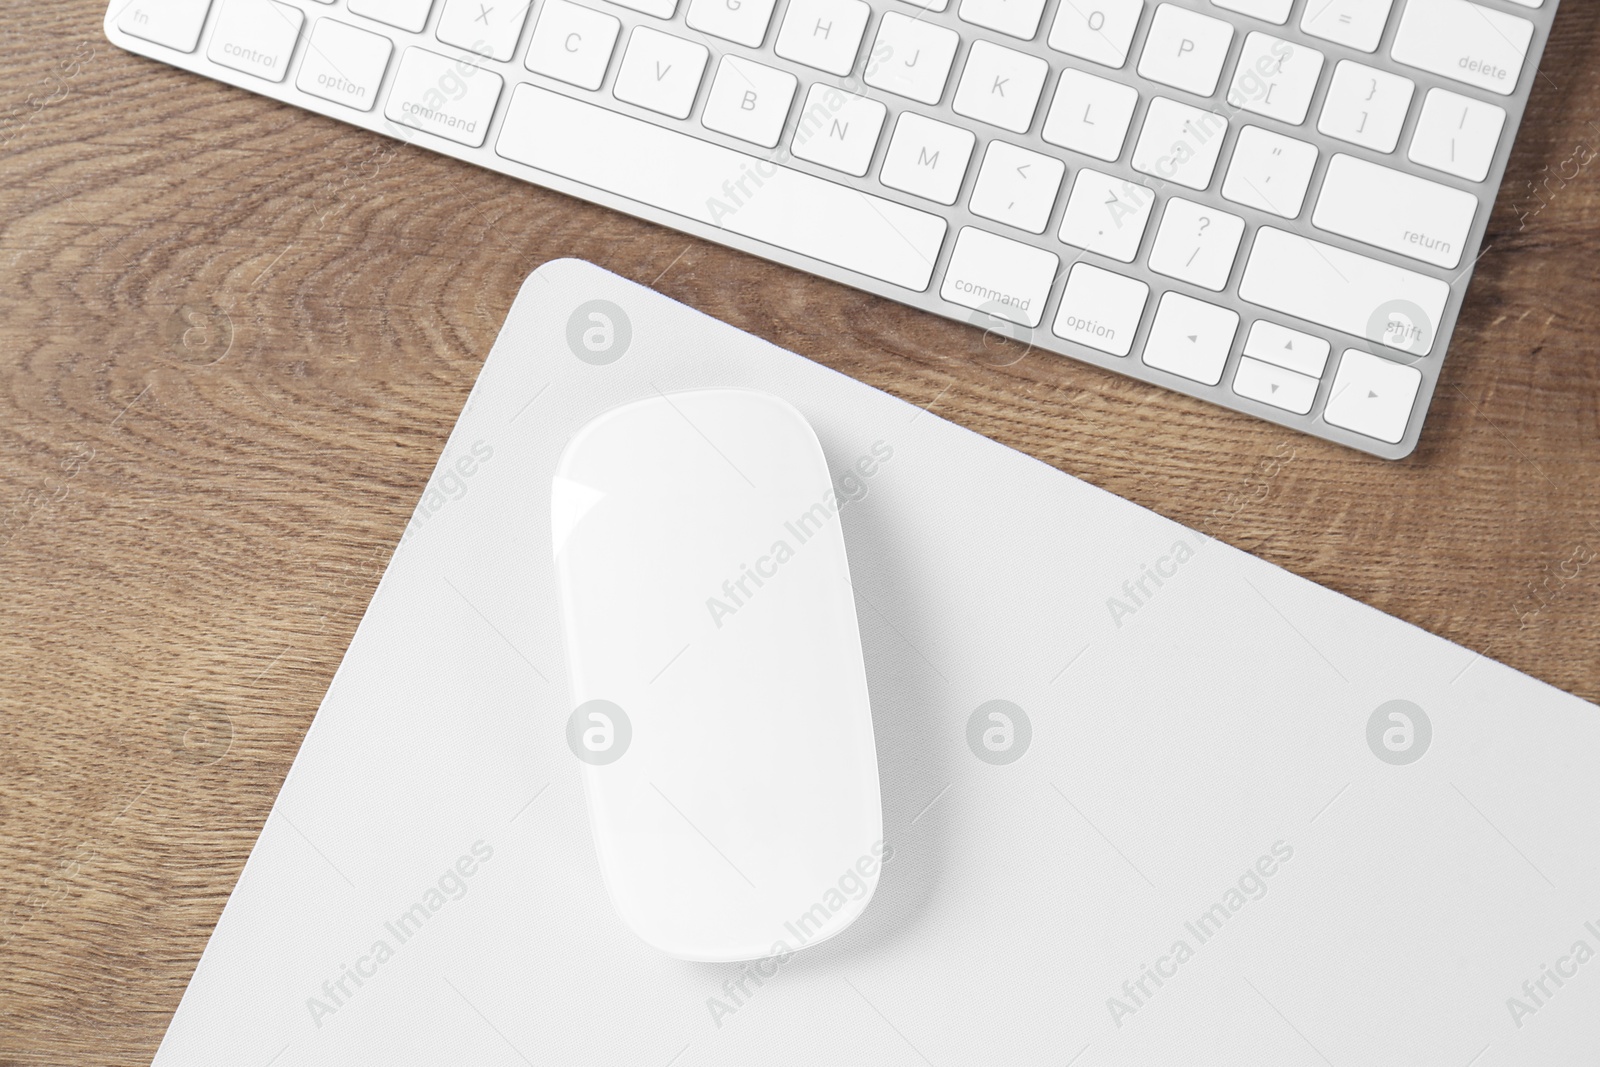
x: 1146, y: 799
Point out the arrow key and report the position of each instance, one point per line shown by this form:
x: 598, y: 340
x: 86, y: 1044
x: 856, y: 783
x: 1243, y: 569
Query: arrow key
x: 1273, y: 385
x: 1286, y: 348
x: 1191, y: 338
x: 1373, y: 396
x: 1017, y: 187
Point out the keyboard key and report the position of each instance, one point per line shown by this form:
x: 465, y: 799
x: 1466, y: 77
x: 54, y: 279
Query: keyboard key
x: 1373, y: 396
x: 919, y: 57
x: 1457, y: 134
x: 1274, y: 385
x: 1099, y: 32
x: 1000, y: 87
x: 1090, y: 115
x: 255, y: 36
x: 1275, y: 78
x: 838, y: 129
x: 1180, y: 143
x: 1190, y: 338
x: 1464, y: 41
x: 1356, y: 23
x: 416, y: 98
x: 740, y: 21
x: 1015, y: 18
x: 999, y: 276
x: 825, y: 34
x: 1366, y: 106
x: 362, y: 59
x: 749, y: 101
x: 173, y: 23
x: 1395, y: 211
x: 1286, y: 348
x: 487, y: 27
x: 1101, y: 309
x: 572, y: 44
x: 1106, y: 215
x: 1270, y: 172
x: 1344, y: 291
x: 661, y: 9
x: 1196, y: 244
x: 409, y: 15
x: 1185, y: 49
x: 706, y: 182
x: 1273, y: 11
x: 661, y: 72
x: 1017, y: 187
x: 927, y: 158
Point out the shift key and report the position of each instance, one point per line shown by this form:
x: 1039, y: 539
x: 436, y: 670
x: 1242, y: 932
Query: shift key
x: 1344, y: 291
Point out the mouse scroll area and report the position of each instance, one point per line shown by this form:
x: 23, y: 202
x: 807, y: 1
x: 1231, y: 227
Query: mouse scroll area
x: 711, y: 634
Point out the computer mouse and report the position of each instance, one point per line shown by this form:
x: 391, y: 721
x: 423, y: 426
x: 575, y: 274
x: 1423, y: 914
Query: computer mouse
x: 719, y: 695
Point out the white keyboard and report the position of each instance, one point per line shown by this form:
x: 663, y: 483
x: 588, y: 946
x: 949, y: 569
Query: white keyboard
x: 1272, y: 204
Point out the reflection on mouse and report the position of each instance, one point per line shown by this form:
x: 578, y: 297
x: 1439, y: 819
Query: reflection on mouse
x: 719, y: 693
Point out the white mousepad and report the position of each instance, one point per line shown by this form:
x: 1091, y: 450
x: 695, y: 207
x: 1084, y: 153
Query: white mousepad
x: 1147, y: 799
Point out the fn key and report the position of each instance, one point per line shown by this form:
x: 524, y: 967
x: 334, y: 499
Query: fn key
x: 174, y: 23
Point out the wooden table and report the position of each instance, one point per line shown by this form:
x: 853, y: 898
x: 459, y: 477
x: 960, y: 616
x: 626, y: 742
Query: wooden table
x: 234, y: 336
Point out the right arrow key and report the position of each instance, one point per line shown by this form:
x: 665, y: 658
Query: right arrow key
x: 1373, y: 396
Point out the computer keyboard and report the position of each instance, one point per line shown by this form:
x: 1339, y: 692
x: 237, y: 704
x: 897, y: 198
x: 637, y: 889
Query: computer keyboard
x: 1275, y: 205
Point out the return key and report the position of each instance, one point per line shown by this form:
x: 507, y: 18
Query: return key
x: 1405, y: 214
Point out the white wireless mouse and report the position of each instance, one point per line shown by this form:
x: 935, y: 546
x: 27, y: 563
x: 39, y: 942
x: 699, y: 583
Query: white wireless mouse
x: 719, y: 696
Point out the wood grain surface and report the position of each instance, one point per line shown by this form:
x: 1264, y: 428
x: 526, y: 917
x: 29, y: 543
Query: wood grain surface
x: 234, y: 337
